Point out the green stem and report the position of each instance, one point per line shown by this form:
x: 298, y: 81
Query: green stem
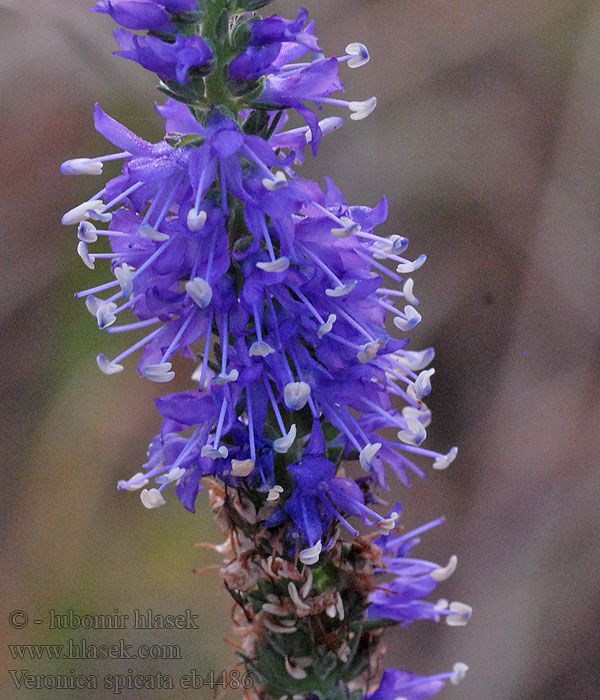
x: 212, y: 30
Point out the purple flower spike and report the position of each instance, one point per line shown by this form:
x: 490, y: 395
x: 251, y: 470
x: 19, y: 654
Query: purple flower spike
x: 291, y: 306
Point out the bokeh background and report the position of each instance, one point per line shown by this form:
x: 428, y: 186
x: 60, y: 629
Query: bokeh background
x: 486, y: 142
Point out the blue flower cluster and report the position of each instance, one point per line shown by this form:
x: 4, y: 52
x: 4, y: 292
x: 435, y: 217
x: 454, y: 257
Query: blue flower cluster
x: 280, y: 291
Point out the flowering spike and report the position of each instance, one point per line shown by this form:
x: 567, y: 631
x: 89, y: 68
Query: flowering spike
x: 282, y: 293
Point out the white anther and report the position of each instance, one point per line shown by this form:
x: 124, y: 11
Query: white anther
x: 283, y: 444
x: 296, y: 672
x: 136, y: 482
x: 105, y: 315
x: 398, y: 244
x: 366, y: 455
x: 226, y: 546
x: 241, y: 468
x: 339, y: 605
x: 444, y: 572
x: 388, y: 524
x: 350, y: 228
x: 394, y: 245
x: 106, y: 366
x: 412, y: 318
x: 414, y: 434
x: 80, y: 212
x: 222, y: 379
x: 300, y: 605
x: 152, y: 498
x: 446, y: 461
x: 273, y: 609
x: 278, y: 629
x: 123, y: 274
x: 260, y: 349
x: 86, y: 231
x: 326, y: 125
x: 421, y: 387
x: 159, y: 373
x: 459, y: 672
x: 174, y: 474
x: 307, y: 585
x: 442, y: 604
x: 209, y: 451
x: 279, y: 265
x: 98, y: 216
x: 461, y: 613
x: 82, y: 251
x: 196, y: 220
x: 416, y: 359
x: 296, y: 395
x: 359, y: 53
x: 148, y: 232
x: 331, y: 611
x: 360, y: 110
x: 343, y: 653
x: 81, y: 166
x: 324, y: 328
x: 311, y: 555
x: 411, y: 266
x: 407, y: 290
x: 278, y: 181
x: 423, y: 415
x: 200, y: 291
x: 92, y: 304
x: 274, y: 493
x: 369, y: 350
x: 342, y: 290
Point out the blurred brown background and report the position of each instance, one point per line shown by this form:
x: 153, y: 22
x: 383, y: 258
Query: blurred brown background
x: 485, y: 140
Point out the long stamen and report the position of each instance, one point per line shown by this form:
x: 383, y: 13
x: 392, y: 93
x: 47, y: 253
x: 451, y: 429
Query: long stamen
x: 307, y: 303
x: 391, y: 418
x: 250, y: 426
x: 154, y: 255
x: 155, y: 202
x: 178, y: 336
x: 275, y: 406
x: 206, y: 350
x: 343, y: 427
x: 133, y: 326
x: 353, y: 322
x: 169, y: 201
x: 379, y: 266
x: 223, y: 179
x: 136, y: 346
x: 95, y: 290
x: 121, y: 196
x: 220, y: 424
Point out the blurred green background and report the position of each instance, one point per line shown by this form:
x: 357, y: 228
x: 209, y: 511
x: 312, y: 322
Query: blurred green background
x: 485, y: 141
